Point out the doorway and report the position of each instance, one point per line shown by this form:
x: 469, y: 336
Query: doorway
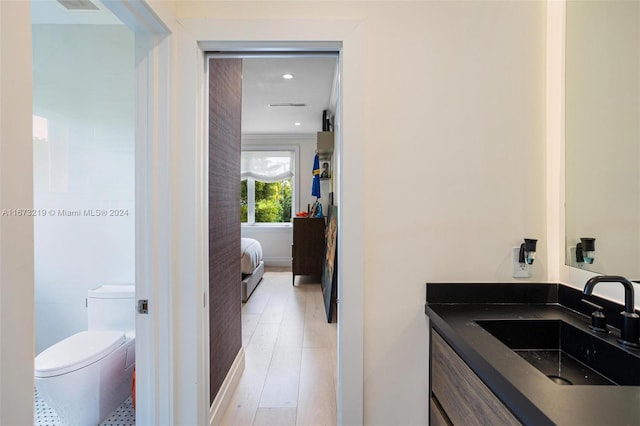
x: 215, y: 35
x: 84, y: 179
x: 274, y: 108
x: 93, y: 115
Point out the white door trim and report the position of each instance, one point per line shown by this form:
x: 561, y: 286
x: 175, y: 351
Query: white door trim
x: 348, y: 36
x: 154, y: 331
x: 191, y: 181
x: 153, y: 211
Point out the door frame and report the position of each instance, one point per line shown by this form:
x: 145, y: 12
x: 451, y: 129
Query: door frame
x: 153, y: 141
x: 153, y: 236
x: 346, y: 37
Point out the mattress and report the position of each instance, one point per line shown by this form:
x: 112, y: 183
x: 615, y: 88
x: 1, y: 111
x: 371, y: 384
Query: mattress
x: 251, y: 255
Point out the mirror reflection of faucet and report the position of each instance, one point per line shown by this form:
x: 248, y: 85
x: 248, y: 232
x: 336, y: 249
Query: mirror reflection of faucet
x: 630, y: 325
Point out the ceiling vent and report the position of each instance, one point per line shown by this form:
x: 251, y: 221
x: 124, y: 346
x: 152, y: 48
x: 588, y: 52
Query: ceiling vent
x: 289, y: 104
x: 78, y: 5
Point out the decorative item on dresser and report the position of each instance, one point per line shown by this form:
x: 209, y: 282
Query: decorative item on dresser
x: 308, y: 246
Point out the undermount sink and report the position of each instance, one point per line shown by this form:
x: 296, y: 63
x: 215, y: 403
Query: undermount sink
x: 566, y: 354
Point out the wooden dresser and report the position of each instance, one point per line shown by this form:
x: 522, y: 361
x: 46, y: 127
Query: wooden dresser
x: 308, y: 246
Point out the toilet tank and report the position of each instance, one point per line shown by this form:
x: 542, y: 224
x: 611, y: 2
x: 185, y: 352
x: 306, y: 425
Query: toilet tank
x: 112, y: 307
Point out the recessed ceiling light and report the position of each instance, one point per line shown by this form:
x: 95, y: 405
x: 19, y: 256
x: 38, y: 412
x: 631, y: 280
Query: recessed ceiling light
x: 287, y: 76
x: 296, y: 124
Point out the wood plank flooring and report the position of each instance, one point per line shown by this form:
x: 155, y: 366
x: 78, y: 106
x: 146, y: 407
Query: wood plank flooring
x: 290, y: 356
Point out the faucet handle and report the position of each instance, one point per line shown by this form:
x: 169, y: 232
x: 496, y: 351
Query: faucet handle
x: 593, y: 305
x: 630, y: 330
x: 598, y: 318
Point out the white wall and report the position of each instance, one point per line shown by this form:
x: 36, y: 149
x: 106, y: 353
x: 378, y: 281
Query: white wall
x: 16, y: 233
x: 276, y: 240
x: 84, y: 87
x: 454, y: 161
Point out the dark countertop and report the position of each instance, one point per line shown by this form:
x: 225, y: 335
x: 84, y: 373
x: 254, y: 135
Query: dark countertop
x: 528, y: 393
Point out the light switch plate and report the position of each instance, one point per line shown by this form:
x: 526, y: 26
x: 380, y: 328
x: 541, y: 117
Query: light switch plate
x: 520, y: 270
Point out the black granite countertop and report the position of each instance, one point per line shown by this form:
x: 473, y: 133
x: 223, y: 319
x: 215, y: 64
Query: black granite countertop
x: 533, y: 398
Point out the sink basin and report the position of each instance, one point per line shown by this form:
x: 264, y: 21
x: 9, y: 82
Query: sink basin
x: 565, y: 354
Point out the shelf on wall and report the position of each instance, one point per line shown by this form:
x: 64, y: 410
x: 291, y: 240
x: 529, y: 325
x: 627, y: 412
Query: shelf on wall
x: 325, y: 145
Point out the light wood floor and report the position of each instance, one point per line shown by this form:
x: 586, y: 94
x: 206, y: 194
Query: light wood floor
x: 290, y: 356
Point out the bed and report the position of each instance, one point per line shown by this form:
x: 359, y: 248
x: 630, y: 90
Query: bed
x: 252, y: 266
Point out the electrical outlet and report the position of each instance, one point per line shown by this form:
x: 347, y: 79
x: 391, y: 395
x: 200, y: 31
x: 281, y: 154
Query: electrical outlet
x: 520, y: 270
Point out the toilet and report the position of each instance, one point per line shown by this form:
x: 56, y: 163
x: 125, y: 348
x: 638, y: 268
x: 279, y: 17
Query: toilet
x: 85, y: 377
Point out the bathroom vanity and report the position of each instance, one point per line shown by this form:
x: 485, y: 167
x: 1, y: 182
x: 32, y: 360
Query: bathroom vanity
x: 524, y: 354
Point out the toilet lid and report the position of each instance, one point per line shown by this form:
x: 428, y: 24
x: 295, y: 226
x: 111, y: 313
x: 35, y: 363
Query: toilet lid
x: 77, y: 351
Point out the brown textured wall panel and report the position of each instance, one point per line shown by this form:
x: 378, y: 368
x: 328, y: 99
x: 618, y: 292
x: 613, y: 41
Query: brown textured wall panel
x: 225, y: 332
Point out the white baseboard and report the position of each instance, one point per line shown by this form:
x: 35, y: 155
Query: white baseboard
x: 280, y: 262
x: 222, y: 399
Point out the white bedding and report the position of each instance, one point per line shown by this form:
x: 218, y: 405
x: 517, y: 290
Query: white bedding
x: 251, y: 255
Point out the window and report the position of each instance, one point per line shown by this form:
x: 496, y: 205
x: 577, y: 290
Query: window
x: 267, y: 187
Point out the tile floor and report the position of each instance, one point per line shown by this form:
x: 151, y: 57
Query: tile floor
x: 122, y: 416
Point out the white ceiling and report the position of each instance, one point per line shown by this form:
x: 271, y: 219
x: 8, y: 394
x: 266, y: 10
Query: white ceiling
x: 262, y: 82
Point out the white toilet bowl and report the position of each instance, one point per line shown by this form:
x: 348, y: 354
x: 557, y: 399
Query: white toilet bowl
x: 86, y: 376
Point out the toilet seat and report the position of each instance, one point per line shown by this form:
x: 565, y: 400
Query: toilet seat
x: 77, y: 351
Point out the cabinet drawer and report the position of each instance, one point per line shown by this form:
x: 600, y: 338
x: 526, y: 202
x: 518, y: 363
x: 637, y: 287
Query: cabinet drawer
x: 465, y: 399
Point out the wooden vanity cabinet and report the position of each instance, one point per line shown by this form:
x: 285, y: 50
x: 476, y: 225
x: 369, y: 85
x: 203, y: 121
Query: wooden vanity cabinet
x: 458, y: 396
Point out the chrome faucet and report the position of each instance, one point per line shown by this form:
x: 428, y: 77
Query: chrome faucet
x: 630, y: 328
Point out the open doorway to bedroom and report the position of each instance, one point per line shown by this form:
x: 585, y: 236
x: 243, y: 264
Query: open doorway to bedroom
x: 288, y: 181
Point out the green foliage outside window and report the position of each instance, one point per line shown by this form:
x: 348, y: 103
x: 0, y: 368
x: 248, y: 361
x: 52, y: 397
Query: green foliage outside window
x: 285, y: 203
x: 273, y: 201
x: 268, y: 211
x: 244, y: 208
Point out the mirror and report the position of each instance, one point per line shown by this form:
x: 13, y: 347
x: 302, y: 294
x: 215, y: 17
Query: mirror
x: 602, y: 119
